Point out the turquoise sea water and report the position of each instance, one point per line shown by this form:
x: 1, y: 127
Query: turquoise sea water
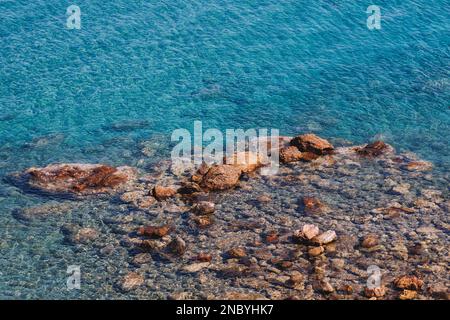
x: 140, y: 69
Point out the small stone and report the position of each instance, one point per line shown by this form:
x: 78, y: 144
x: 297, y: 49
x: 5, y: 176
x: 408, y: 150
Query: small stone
x: 131, y: 281
x: 177, y: 246
x: 284, y: 265
x: 204, y: 257
x: 154, y: 231
x: 314, y: 252
x: 237, y: 252
x: 204, y: 221
x: 369, y: 241
x: 418, y: 166
x: 314, y: 206
x: 408, y: 295
x: 408, y: 282
x: 376, y: 292
x: 203, y: 208
x: 264, y: 199
x: 162, y: 193
x: 307, y: 232
x: 142, y: 258
x: 325, y: 286
x: 245, y: 161
x: 85, y: 235
x: 324, y: 238
x: 272, y: 237
x: 196, y: 267
x: 401, y: 189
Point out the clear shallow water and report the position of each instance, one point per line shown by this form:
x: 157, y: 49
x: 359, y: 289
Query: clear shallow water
x: 139, y: 69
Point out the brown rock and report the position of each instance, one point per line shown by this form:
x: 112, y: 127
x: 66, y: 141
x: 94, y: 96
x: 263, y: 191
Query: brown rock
x: 369, y: 241
x: 264, y: 198
x: 237, y: 252
x: 221, y: 177
x: 377, y: 292
x: 312, y: 143
x: 131, y: 281
x: 177, y: 246
x: 272, y: 237
x: 408, y: 295
x: 290, y: 154
x: 203, y: 208
x: 85, y: 235
x: 315, y: 251
x: 373, y: 149
x: 154, y: 231
x: 314, y: 206
x: 162, y: 193
x: 408, y: 282
x: 418, y: 166
x: 79, y: 178
x: 204, y: 221
x: 204, y: 257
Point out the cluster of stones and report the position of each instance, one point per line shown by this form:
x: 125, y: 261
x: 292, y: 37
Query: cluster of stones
x: 85, y: 179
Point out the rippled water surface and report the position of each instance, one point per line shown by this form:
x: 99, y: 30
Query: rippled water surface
x: 139, y: 69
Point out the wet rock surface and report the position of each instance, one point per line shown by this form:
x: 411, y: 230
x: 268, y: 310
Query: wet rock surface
x: 254, y: 239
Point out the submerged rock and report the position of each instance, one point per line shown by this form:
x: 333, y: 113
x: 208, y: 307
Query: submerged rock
x: 325, y: 238
x: 203, y: 208
x: 221, y: 177
x: 314, y: 206
x: 418, y: 166
x: 376, y: 292
x: 246, y: 161
x: 373, y: 149
x: 79, y: 178
x: 307, y: 232
x: 369, y: 241
x: 177, y: 246
x: 163, y: 193
x: 312, y: 143
x: 408, y: 282
x: 154, y: 231
x: 131, y: 281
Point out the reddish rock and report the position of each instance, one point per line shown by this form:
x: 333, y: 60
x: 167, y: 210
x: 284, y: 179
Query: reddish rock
x: 154, y: 231
x: 312, y: 143
x: 204, y: 221
x: 418, y: 166
x: 290, y: 154
x: 204, y: 257
x: 408, y: 282
x: 408, y: 295
x: 162, y: 193
x: 221, y: 177
x: 190, y: 189
x: 203, y: 208
x: 237, y: 252
x: 369, y: 241
x: 79, y: 178
x: 315, y: 251
x: 373, y: 149
x: 314, y: 206
x: 377, y: 292
x: 85, y: 235
x: 272, y: 237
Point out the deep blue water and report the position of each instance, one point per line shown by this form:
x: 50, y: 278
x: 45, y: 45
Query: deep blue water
x: 137, y: 69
